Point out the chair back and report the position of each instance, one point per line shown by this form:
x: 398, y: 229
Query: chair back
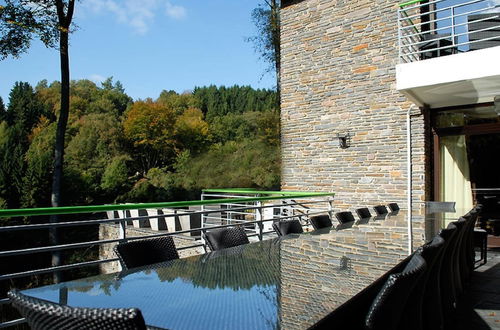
x: 224, y: 238
x: 321, y: 221
x: 363, y: 213
x: 431, y: 207
x: 380, y: 209
x: 43, y: 315
x: 387, y: 308
x: 286, y: 227
x: 393, y: 207
x: 146, y: 251
x: 446, y: 277
x: 344, y: 217
x: 426, y: 290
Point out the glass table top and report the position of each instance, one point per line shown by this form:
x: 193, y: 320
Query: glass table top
x: 288, y: 283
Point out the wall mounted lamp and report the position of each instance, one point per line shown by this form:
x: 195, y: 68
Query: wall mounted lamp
x: 344, y: 140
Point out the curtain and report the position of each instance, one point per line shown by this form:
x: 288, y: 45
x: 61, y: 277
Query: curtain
x: 455, y: 174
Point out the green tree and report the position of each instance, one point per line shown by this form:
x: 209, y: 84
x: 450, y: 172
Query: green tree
x: 191, y: 131
x: 24, y: 108
x: 39, y: 157
x: 96, y: 142
x: 2, y: 110
x: 178, y: 102
x: 50, y: 21
x: 149, y: 126
x: 266, y: 18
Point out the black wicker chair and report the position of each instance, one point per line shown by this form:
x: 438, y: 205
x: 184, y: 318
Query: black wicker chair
x: 393, y: 207
x: 446, y: 281
x: 45, y: 315
x: 386, y: 310
x: 224, y: 238
x: 286, y: 227
x: 457, y: 257
x: 363, y: 213
x: 321, y: 221
x: 344, y: 217
x: 380, y: 209
x: 146, y: 252
x: 426, y: 290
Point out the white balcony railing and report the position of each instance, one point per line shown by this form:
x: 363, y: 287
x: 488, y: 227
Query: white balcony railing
x: 428, y: 29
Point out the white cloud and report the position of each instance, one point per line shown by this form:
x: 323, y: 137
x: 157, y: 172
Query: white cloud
x: 139, y: 14
x: 175, y: 11
x: 97, y: 78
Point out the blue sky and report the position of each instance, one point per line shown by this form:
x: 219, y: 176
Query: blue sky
x: 151, y: 45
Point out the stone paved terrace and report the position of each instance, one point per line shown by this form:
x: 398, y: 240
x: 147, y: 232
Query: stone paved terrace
x: 480, y: 308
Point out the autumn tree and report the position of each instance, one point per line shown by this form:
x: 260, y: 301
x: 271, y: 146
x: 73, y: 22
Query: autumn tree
x: 49, y: 21
x: 150, y: 127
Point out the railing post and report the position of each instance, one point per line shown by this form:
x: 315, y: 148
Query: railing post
x: 452, y: 17
x: 123, y: 226
x: 203, y: 220
x: 259, y: 216
x: 330, y: 207
x: 400, y: 44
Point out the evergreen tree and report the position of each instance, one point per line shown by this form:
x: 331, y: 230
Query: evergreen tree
x: 24, y: 107
x: 2, y: 110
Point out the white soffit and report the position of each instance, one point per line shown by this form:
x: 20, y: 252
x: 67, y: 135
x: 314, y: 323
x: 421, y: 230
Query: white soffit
x: 465, y: 78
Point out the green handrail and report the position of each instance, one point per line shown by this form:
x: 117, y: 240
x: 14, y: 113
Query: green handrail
x: 113, y: 207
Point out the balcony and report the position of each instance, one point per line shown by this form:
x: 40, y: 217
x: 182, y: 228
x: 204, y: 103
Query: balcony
x: 448, y: 52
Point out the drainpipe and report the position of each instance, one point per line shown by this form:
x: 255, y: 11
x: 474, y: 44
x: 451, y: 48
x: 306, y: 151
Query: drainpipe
x: 409, y: 173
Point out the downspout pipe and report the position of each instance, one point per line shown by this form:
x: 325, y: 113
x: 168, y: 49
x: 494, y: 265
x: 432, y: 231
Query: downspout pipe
x: 409, y: 173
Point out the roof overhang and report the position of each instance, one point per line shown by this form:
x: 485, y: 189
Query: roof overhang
x: 466, y: 78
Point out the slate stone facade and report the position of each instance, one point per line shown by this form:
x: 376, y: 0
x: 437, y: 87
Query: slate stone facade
x: 338, y: 61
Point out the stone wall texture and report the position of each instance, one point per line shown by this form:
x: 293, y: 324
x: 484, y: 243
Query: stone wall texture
x: 338, y: 75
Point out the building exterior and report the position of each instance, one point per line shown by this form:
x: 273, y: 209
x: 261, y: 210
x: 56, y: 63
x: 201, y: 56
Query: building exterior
x: 356, y: 69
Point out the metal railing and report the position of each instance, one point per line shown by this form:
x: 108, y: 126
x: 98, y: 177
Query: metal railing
x: 428, y: 29
x: 185, y: 221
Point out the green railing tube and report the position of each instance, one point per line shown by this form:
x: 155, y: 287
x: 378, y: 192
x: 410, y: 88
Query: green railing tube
x: 113, y: 207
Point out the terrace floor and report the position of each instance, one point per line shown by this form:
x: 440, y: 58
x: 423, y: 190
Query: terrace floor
x: 480, y: 307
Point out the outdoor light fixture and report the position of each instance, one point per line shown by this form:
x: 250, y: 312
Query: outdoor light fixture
x: 344, y: 140
x: 345, y: 263
x: 496, y: 102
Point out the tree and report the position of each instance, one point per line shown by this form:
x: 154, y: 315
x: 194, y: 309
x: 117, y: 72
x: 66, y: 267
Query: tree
x: 150, y: 127
x: 266, y: 18
x: 2, y: 110
x: 50, y: 21
x: 24, y: 108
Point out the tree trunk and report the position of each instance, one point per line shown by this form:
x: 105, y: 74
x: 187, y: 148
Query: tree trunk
x: 64, y: 23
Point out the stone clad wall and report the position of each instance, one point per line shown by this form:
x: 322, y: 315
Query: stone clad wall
x: 338, y: 76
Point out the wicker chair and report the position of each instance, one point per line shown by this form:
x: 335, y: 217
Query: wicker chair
x: 426, y: 290
x: 146, y: 252
x: 447, y: 286
x: 380, y: 209
x: 286, y: 227
x: 321, y: 221
x: 386, y: 310
x: 393, y: 207
x: 344, y: 217
x: 224, y: 238
x: 363, y: 213
x: 44, y: 315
